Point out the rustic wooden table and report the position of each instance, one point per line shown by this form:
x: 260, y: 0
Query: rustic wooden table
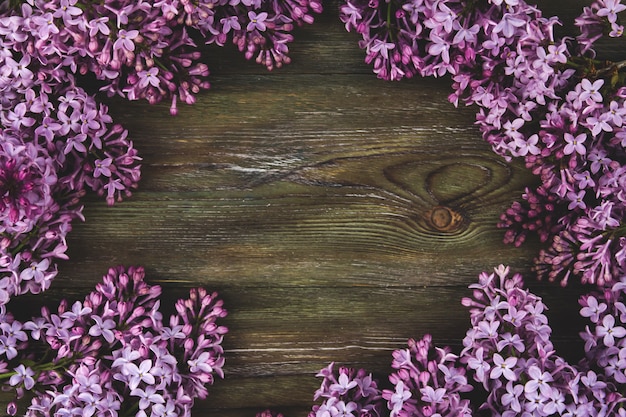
x: 336, y: 214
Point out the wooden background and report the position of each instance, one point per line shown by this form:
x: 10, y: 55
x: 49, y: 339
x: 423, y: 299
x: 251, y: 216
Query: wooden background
x: 337, y: 215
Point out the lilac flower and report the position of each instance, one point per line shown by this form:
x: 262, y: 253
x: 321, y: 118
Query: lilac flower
x: 511, y: 399
x: 103, y: 328
x: 102, y: 167
x: 576, y: 200
x: 397, y: 399
x: 429, y: 380
x: 147, y: 397
x: 344, y: 395
x: 257, y: 21
x: 611, y: 9
x: 608, y: 331
x: 527, y: 146
x: 478, y: 364
x: 598, y: 125
x: 341, y: 409
x: 124, y: 40
x: 439, y: 47
x: 343, y: 384
x: 503, y: 367
x: 23, y: 376
x: 531, y: 378
x: 381, y: 47
x: 591, y: 91
x: 149, y: 78
x: 538, y: 381
x: 575, y: 144
x: 591, y: 308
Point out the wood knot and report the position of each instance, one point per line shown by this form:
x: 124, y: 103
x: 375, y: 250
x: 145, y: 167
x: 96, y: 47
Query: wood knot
x: 444, y: 219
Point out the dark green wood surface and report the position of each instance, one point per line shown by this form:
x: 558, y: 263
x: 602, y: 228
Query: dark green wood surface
x: 337, y: 215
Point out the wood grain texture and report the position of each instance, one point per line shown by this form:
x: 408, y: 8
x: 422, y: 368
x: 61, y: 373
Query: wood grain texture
x: 336, y: 214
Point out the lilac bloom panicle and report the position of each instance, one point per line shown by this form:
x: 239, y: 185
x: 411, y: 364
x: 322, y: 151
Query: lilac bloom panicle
x: 518, y: 367
x: 51, y: 153
x: 344, y: 396
x: 111, y: 353
x: 429, y: 378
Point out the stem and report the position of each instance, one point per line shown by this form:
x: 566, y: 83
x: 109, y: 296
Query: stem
x: 24, y: 242
x: 612, y: 69
x: 587, y: 66
x: 39, y: 368
x: 619, y: 231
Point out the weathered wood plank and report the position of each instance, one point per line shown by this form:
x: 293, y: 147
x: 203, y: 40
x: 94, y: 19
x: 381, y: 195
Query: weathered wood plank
x: 269, y: 194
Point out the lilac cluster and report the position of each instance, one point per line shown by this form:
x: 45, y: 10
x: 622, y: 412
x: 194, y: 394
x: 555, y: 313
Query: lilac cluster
x: 56, y: 142
x: 509, y: 350
x: 427, y: 382
x: 134, y: 49
x: 347, y: 393
x: 149, y: 50
x: 605, y: 337
x: 466, y: 39
x: 543, y: 99
x: 112, y: 354
x: 260, y: 29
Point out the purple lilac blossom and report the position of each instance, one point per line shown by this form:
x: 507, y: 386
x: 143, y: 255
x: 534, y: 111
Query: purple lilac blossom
x: 605, y: 336
x: 134, y: 49
x: 112, y: 354
x: 510, y: 353
x: 427, y: 381
x: 57, y: 142
x: 146, y: 50
x: 259, y: 29
x: 347, y: 392
x: 579, y: 206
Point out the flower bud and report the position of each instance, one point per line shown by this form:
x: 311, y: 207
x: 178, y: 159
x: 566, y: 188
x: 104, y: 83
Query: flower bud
x: 12, y: 408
